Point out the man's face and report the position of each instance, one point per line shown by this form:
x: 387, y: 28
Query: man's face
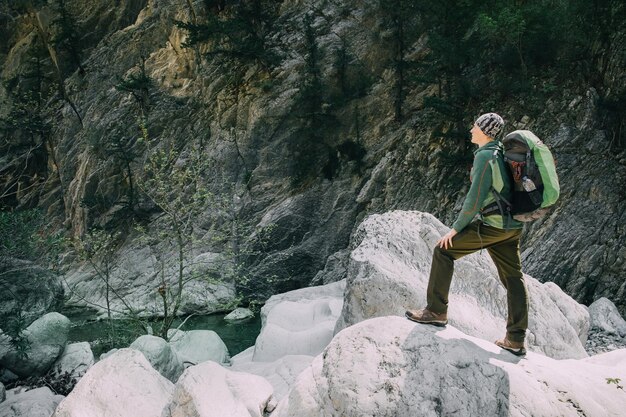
x: 476, y: 134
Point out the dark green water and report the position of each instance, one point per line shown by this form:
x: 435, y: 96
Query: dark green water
x: 104, y: 336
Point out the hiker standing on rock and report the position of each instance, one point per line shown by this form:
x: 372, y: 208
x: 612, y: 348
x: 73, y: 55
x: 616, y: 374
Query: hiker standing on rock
x: 495, y: 231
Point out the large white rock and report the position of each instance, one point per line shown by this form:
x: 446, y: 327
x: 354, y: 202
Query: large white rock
x: 196, y: 346
x: 210, y: 390
x: 122, y: 385
x: 299, y: 322
x: 388, y: 273
x: 47, y: 337
x: 76, y: 359
x: 389, y: 366
x: 575, y: 313
x: 296, y: 326
x: 605, y: 317
x: 281, y: 373
x: 39, y: 402
x: 3, y: 392
x: 160, y: 355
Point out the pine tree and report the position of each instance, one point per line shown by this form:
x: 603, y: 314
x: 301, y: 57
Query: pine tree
x: 238, y: 31
x: 67, y: 38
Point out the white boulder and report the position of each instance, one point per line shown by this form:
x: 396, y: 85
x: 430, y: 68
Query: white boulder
x: 575, y: 313
x: 160, y: 355
x: 39, y: 402
x: 122, y: 385
x: 3, y: 392
x: 196, y: 346
x: 299, y: 322
x: 210, y: 390
x: 239, y: 314
x: 47, y: 337
x: 388, y: 273
x: 76, y: 359
x: 281, y: 373
x: 296, y: 326
x: 605, y: 317
x: 389, y: 366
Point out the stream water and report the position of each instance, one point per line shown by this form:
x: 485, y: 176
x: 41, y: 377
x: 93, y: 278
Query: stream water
x: 104, y: 335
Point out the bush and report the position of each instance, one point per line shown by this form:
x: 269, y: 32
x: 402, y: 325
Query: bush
x: 23, y: 235
x: 59, y: 383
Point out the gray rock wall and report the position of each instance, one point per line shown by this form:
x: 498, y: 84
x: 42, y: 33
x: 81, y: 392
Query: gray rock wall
x: 580, y: 246
x: 250, y: 117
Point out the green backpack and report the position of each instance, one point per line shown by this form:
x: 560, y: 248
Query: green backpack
x: 533, y: 171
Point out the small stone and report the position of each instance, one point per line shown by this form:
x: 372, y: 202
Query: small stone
x: 271, y: 405
x: 239, y: 314
x: 574, y: 102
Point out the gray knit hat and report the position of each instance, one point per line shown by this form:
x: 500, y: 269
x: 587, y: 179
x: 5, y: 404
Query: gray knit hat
x: 491, y: 124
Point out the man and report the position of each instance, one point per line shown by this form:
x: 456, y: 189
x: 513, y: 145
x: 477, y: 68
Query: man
x: 496, y: 231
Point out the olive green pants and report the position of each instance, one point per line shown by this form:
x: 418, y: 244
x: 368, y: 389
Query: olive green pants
x: 503, y: 247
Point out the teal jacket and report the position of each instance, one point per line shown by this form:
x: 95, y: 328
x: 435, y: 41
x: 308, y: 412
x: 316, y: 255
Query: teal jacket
x: 488, y: 172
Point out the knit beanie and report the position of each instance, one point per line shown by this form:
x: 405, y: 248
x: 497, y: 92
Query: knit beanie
x: 490, y: 123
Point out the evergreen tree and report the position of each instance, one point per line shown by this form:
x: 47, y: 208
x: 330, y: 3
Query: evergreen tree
x: 67, y: 38
x: 239, y: 30
x: 400, y: 18
x: 139, y: 84
x: 312, y: 156
x: 26, y: 129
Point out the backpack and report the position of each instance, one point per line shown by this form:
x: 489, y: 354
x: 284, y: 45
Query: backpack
x: 533, y: 172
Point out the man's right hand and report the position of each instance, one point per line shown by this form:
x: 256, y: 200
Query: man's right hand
x: 446, y: 241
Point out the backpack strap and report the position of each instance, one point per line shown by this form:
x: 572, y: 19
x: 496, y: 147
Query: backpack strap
x: 501, y: 205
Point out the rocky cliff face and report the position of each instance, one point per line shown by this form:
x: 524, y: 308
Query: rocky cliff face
x: 256, y: 125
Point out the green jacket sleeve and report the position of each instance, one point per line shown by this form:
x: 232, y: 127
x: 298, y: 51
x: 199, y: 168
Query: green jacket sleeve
x: 481, y: 178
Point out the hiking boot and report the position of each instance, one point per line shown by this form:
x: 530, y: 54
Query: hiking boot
x: 516, y: 348
x: 427, y: 317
